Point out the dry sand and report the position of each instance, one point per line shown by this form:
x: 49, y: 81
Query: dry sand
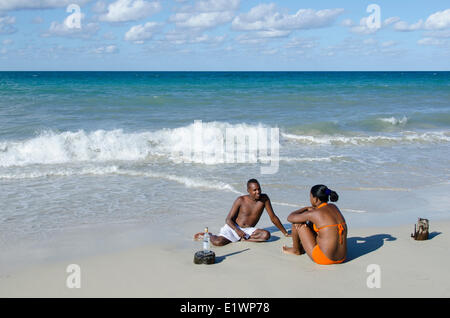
x: 408, y: 268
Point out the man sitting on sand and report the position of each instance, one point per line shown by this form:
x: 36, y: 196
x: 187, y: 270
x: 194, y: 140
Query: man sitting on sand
x: 244, y: 214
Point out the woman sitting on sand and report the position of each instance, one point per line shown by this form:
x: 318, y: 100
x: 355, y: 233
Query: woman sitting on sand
x: 326, y: 241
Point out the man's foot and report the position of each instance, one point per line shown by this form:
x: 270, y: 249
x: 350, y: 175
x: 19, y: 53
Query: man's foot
x: 290, y: 250
x: 199, y: 236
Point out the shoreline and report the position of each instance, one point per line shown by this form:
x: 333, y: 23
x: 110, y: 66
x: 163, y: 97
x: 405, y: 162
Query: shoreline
x: 408, y: 268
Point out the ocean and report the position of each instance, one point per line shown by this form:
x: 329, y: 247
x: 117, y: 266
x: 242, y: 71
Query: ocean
x: 80, y: 150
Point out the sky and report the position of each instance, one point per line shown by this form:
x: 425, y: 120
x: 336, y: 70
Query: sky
x: 224, y: 35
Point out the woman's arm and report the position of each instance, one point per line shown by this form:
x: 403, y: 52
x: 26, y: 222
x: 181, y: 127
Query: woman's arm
x: 306, y: 208
x: 300, y: 216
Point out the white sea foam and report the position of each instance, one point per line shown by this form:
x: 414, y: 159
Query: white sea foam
x: 353, y: 211
x: 60, y: 172
x: 404, y: 137
x: 182, y: 144
x: 394, y: 121
x: 380, y: 189
x: 312, y: 159
x: 189, y: 182
x: 286, y: 204
x: 67, y: 147
x: 186, y: 181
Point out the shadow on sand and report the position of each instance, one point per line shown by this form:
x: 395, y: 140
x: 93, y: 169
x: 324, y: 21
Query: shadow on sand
x: 220, y: 259
x: 359, y: 246
x: 432, y: 235
x: 273, y: 228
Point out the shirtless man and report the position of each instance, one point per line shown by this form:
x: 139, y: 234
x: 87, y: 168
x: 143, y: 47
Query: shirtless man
x: 244, y: 215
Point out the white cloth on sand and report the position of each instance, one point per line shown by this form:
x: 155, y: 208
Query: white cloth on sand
x: 231, y: 235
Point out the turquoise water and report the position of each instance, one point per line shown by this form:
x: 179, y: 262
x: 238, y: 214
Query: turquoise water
x: 87, y: 148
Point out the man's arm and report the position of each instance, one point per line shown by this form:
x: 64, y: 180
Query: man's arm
x: 275, y: 220
x: 232, y: 215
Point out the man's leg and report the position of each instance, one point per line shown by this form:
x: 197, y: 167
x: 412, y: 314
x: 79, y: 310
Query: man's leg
x: 216, y: 240
x: 259, y: 236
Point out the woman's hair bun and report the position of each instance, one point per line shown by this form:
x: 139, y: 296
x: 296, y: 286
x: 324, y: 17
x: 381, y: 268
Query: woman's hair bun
x: 323, y: 193
x: 333, y: 196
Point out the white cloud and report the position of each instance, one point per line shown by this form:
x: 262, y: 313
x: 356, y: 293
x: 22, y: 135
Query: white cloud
x: 191, y: 21
x: 363, y: 28
x: 435, y: 22
x: 206, y: 14
x: 202, y: 20
x: 109, y: 36
x: 370, y: 41
x: 217, y: 5
x: 359, y: 47
x: 249, y: 38
x: 438, y: 21
x: 205, y: 38
x: 431, y: 41
x: 405, y: 27
x: 347, y: 23
x: 141, y: 32
x: 272, y: 34
x: 255, y: 18
x: 386, y: 44
x: 301, y: 43
x: 64, y: 29
x: 180, y: 38
x: 7, y: 42
x: 259, y: 37
x: 438, y: 26
x: 100, y: 7
x: 7, y: 25
x: 264, y: 22
x: 438, y: 34
x: 270, y: 52
x: 7, y: 5
x: 109, y: 49
x: 130, y: 10
x: 390, y: 21
x: 265, y: 17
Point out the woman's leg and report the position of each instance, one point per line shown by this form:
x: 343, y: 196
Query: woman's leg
x: 307, y: 238
x: 297, y: 248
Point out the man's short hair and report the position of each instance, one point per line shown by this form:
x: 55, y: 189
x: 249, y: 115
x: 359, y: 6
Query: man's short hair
x: 252, y: 181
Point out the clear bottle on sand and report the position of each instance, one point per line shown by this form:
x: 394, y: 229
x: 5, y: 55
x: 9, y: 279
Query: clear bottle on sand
x: 206, y: 241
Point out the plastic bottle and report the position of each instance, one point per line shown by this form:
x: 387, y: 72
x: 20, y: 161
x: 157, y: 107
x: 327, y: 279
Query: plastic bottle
x: 206, y: 241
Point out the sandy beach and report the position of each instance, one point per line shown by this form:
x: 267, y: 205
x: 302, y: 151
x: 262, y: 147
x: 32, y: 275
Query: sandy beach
x: 128, y: 126
x: 407, y: 268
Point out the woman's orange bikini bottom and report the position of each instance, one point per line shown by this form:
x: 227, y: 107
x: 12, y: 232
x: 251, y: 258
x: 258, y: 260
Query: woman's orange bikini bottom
x: 319, y: 257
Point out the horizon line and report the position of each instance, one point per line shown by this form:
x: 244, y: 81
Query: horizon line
x: 229, y: 71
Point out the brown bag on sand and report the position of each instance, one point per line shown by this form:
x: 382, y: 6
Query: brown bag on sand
x: 421, y: 230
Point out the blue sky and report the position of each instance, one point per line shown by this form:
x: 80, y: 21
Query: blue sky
x: 224, y: 35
